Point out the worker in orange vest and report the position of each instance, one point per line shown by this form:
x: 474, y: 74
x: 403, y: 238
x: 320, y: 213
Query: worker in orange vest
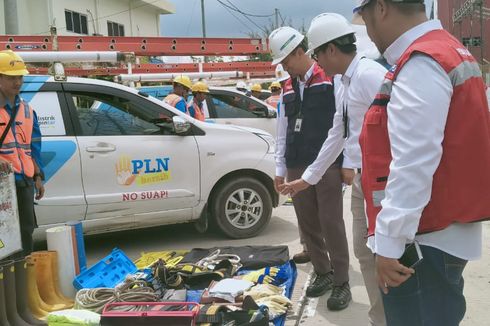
x: 20, y: 144
x: 256, y: 90
x: 196, y: 107
x: 275, y: 89
x: 178, y: 98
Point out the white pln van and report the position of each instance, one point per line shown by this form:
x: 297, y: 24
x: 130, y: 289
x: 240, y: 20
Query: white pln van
x: 117, y: 159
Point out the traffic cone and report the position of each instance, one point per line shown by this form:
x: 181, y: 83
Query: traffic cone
x: 3, y: 309
x: 44, y: 278
x: 21, y: 293
x: 10, y: 295
x: 39, y: 308
x: 53, y: 255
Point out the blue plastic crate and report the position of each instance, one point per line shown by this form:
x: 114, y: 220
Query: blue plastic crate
x: 108, y: 272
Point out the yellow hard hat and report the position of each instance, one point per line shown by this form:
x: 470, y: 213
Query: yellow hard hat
x: 11, y: 64
x: 256, y: 88
x: 183, y: 80
x: 275, y: 85
x: 200, y: 87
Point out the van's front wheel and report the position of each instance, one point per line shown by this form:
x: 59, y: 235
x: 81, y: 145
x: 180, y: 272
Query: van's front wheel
x: 242, y: 207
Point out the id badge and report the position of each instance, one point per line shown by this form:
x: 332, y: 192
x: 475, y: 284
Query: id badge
x: 297, y: 126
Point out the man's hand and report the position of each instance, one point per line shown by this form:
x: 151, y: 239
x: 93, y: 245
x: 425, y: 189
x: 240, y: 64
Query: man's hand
x: 38, y: 185
x: 5, y: 166
x: 391, y: 273
x: 278, y: 183
x: 294, y: 187
x: 347, y: 176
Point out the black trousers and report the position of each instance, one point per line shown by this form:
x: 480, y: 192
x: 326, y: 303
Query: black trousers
x: 27, y: 218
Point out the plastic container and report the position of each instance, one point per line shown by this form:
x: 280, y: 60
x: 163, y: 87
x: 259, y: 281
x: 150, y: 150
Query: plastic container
x: 107, y: 273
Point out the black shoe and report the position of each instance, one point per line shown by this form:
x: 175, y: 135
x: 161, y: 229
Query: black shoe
x: 320, y: 285
x: 340, y: 297
x: 302, y: 257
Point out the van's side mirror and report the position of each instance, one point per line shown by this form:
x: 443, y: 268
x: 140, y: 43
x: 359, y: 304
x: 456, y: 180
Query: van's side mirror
x: 272, y: 114
x: 181, y: 126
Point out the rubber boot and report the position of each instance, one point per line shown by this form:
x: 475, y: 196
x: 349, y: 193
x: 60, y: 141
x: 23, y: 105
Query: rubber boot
x: 53, y: 255
x: 3, y: 310
x: 39, y: 308
x: 10, y: 295
x: 44, y: 278
x: 21, y: 289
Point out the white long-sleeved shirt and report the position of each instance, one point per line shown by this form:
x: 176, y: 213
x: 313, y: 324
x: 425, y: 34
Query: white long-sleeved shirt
x: 359, y: 86
x: 417, y: 114
x: 282, y: 126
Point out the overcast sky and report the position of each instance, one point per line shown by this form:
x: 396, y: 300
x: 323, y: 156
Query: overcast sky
x: 186, y: 22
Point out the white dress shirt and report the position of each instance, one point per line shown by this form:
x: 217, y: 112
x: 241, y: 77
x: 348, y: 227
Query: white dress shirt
x: 417, y: 114
x: 358, y: 88
x: 282, y: 126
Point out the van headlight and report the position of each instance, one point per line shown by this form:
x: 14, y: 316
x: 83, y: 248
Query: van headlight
x: 271, y: 142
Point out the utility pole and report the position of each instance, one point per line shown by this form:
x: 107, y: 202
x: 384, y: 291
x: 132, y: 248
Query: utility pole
x: 11, y: 17
x: 276, y: 12
x: 203, y: 19
x: 482, y: 42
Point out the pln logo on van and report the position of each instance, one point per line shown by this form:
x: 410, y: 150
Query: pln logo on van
x: 142, y: 172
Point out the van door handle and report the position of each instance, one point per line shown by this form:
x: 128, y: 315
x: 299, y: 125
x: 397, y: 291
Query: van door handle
x: 101, y: 149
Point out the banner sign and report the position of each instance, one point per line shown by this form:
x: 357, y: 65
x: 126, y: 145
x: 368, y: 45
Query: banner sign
x: 10, y: 239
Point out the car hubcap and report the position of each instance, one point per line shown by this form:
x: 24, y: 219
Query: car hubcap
x: 244, y: 208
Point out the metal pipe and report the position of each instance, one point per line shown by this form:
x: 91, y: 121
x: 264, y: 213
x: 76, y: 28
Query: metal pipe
x: 170, y: 76
x: 67, y: 56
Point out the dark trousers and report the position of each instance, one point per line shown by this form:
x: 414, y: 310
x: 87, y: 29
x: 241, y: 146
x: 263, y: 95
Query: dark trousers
x: 27, y: 219
x: 433, y: 296
x: 319, y: 211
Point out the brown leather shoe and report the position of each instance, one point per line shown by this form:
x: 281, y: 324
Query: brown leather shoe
x: 302, y: 258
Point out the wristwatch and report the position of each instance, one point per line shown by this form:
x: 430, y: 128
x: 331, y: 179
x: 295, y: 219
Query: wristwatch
x: 38, y: 174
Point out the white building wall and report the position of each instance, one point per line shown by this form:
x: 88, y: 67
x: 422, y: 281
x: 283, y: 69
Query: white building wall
x: 138, y: 18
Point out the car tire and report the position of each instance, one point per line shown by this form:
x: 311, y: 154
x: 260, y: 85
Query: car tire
x: 241, y: 207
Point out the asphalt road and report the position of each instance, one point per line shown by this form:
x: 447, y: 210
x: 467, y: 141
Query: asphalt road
x: 282, y: 230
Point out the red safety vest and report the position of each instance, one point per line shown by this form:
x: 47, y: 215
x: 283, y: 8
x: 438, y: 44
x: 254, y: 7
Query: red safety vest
x: 460, y: 184
x: 16, y: 149
x: 273, y: 100
x: 172, y: 99
x: 198, y: 113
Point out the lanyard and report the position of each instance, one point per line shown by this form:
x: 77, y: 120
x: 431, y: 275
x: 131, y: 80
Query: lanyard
x: 345, y: 119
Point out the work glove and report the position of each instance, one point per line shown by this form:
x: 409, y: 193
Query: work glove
x: 264, y: 290
x: 264, y: 275
x: 277, y: 304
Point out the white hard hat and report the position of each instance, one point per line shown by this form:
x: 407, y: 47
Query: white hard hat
x: 360, y: 4
x: 283, y: 41
x: 281, y: 74
x: 325, y: 28
x: 241, y: 85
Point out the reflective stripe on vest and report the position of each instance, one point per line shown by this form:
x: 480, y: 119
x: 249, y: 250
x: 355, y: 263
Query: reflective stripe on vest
x: 173, y: 99
x: 16, y: 149
x: 273, y: 100
x: 198, y: 113
x: 459, y: 188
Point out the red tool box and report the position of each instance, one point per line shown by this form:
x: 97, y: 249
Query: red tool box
x: 150, y: 314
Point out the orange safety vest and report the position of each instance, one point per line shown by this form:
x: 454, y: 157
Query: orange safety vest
x: 16, y: 148
x: 273, y: 100
x: 198, y: 113
x: 460, y: 183
x: 172, y: 99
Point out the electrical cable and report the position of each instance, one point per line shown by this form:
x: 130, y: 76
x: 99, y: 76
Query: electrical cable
x: 248, y: 18
x: 231, y: 13
x: 129, y: 291
x: 235, y: 8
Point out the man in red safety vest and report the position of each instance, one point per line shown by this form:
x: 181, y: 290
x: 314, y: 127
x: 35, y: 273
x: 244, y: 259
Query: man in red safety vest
x: 425, y: 163
x: 274, y: 99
